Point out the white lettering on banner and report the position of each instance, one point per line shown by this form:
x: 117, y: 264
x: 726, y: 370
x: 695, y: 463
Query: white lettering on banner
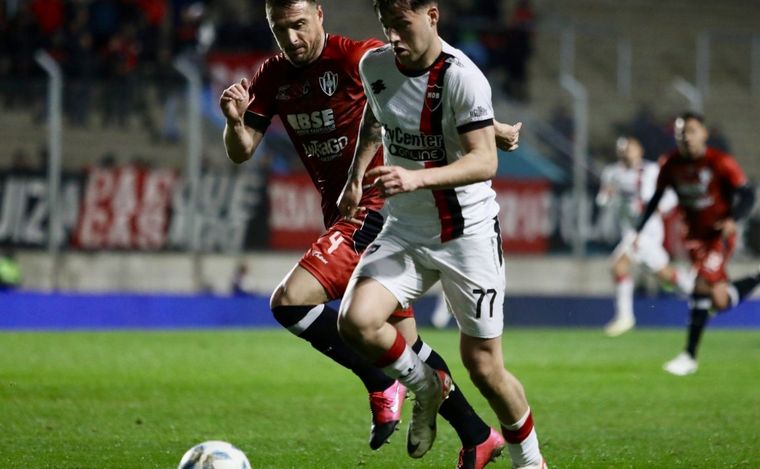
x: 25, y: 209
x: 294, y: 207
x: 121, y: 208
x: 124, y: 209
x: 226, y: 204
x: 95, y: 211
x: 153, y: 217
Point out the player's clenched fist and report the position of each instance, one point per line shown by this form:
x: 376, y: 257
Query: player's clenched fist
x: 234, y: 101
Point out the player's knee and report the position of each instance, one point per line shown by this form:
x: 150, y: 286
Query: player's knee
x: 354, y: 326
x: 283, y: 295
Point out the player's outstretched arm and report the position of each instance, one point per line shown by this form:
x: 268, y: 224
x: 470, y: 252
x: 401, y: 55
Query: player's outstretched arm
x: 507, y: 136
x: 370, y: 139
x: 240, y: 141
x: 652, y: 205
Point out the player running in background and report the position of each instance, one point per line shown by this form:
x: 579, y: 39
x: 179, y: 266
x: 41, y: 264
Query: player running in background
x: 313, y: 85
x: 627, y: 185
x: 430, y: 108
x: 713, y: 194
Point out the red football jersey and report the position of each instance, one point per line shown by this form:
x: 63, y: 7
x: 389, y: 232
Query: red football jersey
x: 321, y: 106
x: 704, y: 187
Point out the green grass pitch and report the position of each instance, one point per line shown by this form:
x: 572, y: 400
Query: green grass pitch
x: 140, y: 399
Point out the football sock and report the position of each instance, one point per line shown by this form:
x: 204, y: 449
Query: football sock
x: 318, y: 325
x: 522, y: 441
x: 472, y: 430
x: 739, y: 289
x: 402, y: 363
x: 623, y: 297
x: 699, y: 312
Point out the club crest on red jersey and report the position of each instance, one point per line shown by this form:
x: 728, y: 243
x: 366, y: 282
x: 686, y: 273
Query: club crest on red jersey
x: 329, y: 82
x: 433, y: 97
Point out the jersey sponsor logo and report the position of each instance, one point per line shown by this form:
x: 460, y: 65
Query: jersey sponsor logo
x: 415, y: 147
x: 326, y: 150
x: 455, y: 61
x: 478, y: 112
x: 329, y: 82
x: 695, y: 195
x: 433, y: 97
x: 316, y: 122
x: 292, y: 91
x: 377, y: 86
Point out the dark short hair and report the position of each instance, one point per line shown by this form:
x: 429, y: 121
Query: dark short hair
x: 692, y: 115
x: 286, y: 3
x: 403, y: 4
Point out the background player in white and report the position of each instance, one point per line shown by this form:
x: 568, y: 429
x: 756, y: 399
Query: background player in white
x: 430, y: 107
x: 626, y: 187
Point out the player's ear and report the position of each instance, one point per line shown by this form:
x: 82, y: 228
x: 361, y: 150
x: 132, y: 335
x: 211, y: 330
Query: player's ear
x: 320, y: 13
x: 433, y: 15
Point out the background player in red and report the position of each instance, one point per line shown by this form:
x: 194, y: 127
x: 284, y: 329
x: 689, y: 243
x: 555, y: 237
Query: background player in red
x: 313, y: 85
x: 713, y: 194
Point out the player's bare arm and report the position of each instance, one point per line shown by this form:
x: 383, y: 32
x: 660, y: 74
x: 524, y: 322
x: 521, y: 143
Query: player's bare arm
x: 370, y: 139
x: 240, y: 141
x: 478, y: 164
x: 507, y: 136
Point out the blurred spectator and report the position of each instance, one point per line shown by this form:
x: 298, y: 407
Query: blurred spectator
x: 80, y: 67
x: 10, y: 271
x: 470, y: 44
x: 120, y: 57
x: 518, y: 49
x: 242, y: 281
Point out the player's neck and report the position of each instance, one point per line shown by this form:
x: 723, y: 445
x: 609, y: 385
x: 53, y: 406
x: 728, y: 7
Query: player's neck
x: 429, y: 57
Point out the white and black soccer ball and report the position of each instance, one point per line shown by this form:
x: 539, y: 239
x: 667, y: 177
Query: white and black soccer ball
x: 214, y: 455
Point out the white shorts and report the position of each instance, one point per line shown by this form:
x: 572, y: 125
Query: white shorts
x: 650, y: 251
x: 470, y: 268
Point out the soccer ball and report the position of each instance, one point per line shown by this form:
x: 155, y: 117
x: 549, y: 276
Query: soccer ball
x: 214, y: 455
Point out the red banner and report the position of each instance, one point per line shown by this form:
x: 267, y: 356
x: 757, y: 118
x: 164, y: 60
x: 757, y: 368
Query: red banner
x: 295, y: 215
x: 525, y: 216
x: 295, y: 212
x: 125, y: 208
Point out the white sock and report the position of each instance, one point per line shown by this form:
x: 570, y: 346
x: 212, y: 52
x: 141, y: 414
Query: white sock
x: 413, y: 372
x: 522, y: 442
x: 624, y: 298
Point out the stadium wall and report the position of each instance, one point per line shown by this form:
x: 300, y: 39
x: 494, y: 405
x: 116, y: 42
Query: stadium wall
x: 61, y: 311
x: 147, y: 291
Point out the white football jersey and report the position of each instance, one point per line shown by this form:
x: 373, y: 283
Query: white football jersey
x: 422, y: 114
x: 632, y: 188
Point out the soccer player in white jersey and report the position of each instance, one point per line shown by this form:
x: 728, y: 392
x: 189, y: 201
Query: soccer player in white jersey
x: 627, y: 186
x: 430, y: 107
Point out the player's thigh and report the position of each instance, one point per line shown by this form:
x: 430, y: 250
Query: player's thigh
x: 299, y: 287
x: 367, y: 305
x: 710, y: 257
x: 473, y: 280
x: 390, y: 261
x: 652, y: 253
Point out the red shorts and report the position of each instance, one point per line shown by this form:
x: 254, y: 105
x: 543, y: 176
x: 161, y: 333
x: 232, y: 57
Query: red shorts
x: 334, y: 255
x: 710, y: 256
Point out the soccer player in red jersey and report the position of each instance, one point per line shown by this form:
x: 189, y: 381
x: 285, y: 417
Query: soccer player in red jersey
x: 313, y: 85
x: 713, y: 194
